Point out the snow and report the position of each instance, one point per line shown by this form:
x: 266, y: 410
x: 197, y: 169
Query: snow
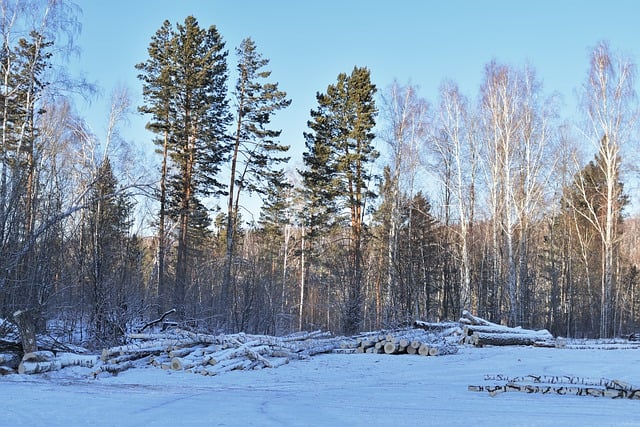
x: 331, y: 390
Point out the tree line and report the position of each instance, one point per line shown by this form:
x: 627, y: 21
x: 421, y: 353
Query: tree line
x: 402, y: 208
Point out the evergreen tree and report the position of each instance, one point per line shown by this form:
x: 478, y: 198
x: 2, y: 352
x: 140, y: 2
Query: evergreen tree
x: 157, y: 89
x: 185, y: 89
x: 256, y: 151
x: 339, y: 156
x: 107, y: 227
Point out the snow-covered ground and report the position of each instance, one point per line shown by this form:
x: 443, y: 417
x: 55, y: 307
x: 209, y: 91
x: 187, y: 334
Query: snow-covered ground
x: 332, y: 390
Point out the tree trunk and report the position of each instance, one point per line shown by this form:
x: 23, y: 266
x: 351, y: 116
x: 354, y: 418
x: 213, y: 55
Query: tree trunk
x: 27, y: 328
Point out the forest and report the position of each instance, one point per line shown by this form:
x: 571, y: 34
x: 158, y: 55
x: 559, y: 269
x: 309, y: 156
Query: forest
x: 405, y: 208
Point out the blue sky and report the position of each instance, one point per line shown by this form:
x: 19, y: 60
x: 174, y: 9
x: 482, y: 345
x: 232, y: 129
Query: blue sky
x: 310, y: 43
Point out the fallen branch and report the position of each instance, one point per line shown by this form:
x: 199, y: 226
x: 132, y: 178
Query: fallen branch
x: 160, y: 319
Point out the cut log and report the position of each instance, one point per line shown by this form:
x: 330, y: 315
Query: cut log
x: 38, y: 356
x: 470, y: 329
x: 442, y: 350
x: 441, y: 328
x: 423, y: 350
x: 9, y: 360
x: 39, y: 367
x: 509, y: 338
x: 468, y: 318
x: 180, y: 364
x: 391, y: 348
x: 72, y: 359
x: 114, y: 369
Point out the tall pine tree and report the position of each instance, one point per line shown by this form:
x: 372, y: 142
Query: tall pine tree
x: 184, y: 84
x: 339, y: 157
x: 256, y: 150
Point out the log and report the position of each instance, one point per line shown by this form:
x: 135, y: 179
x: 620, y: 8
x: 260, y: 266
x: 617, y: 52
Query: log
x: 442, y: 350
x: 423, y: 350
x: 226, y: 366
x: 564, y: 379
x: 439, y: 327
x: 72, y: 359
x: 508, y: 338
x: 181, y: 364
x: 391, y: 348
x: 470, y: 329
x: 9, y: 360
x: 39, y: 367
x: 468, y: 318
x: 494, y: 390
x: 114, y: 368
x: 38, y: 356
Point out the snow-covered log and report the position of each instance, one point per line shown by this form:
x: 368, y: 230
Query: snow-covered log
x: 559, y: 384
x: 10, y: 360
x: 541, y: 338
x: 45, y: 361
x: 479, y: 332
x: 470, y: 319
x: 38, y: 356
x: 441, y: 350
x: 39, y: 367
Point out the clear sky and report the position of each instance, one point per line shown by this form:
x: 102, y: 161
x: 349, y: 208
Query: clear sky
x: 309, y: 43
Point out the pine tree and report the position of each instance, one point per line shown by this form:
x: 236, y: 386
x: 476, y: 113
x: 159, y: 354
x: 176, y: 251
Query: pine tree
x: 185, y: 89
x: 339, y: 157
x: 256, y: 151
x: 156, y: 75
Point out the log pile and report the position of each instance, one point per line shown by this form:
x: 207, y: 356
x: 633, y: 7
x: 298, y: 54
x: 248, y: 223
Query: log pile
x: 424, y: 341
x: 213, y: 354
x: 480, y: 332
x: 48, y: 354
x: 562, y: 385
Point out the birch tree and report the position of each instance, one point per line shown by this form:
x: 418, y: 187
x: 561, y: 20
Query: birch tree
x: 516, y: 142
x: 608, y: 101
x: 406, y: 116
x: 456, y: 148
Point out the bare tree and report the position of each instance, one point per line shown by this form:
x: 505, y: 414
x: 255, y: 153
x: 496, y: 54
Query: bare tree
x: 611, y: 113
x: 457, y: 151
x: 406, y: 115
x: 516, y: 141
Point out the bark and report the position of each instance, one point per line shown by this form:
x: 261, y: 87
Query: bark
x: 26, y: 325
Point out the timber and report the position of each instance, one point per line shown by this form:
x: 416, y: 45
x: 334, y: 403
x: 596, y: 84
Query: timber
x: 480, y: 332
x: 559, y: 385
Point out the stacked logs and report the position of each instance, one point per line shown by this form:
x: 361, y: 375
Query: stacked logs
x: 48, y: 354
x: 408, y: 341
x: 213, y: 354
x: 480, y: 332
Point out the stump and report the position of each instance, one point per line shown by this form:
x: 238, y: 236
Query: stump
x: 27, y: 328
